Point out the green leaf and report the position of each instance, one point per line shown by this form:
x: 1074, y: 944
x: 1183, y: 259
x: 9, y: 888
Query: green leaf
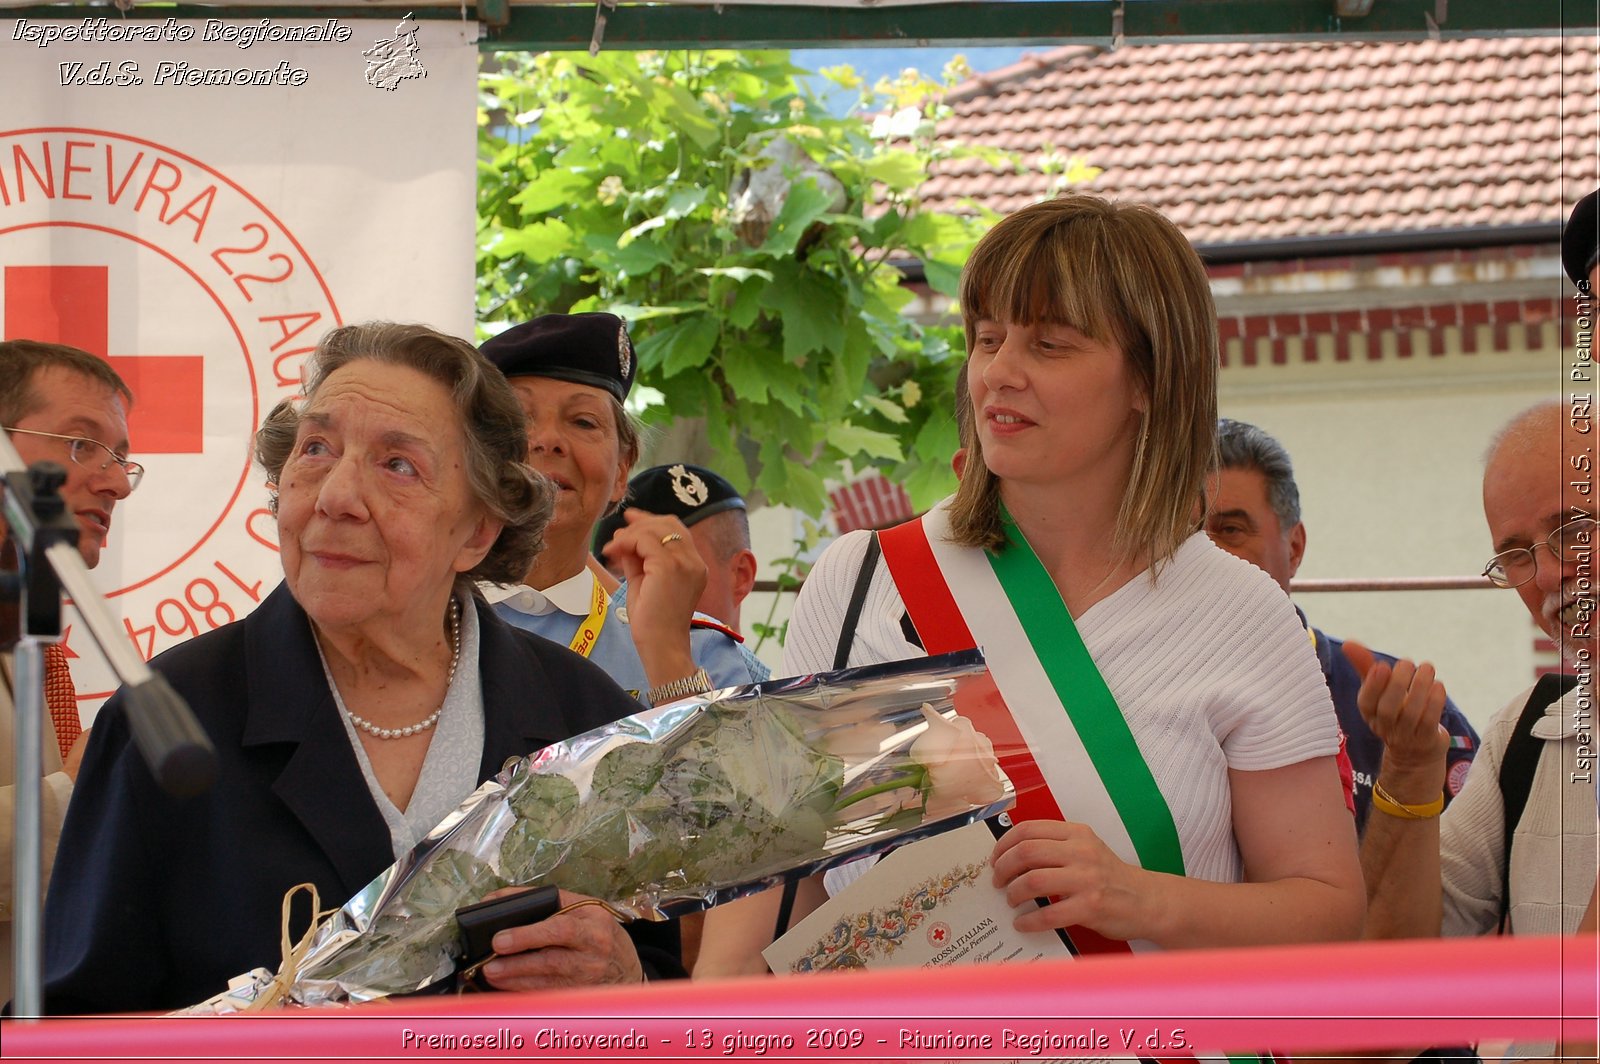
x: 927, y: 482
x: 639, y: 257
x: 938, y: 437
x: 807, y: 490
x: 900, y: 170
x: 744, y: 373
x: 810, y: 307
x: 746, y: 305
x: 854, y: 439
x: 781, y: 477
x: 887, y: 301
x: 805, y: 203
x: 928, y: 230
x: 773, y: 479
x: 684, y: 202
x: 552, y: 189
x: 538, y: 243
x: 688, y: 342
x: 893, y: 411
x: 689, y: 115
x: 847, y: 221
x: 848, y: 370
x: 944, y: 278
x: 791, y: 386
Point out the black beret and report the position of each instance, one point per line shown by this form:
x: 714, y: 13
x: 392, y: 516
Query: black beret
x: 605, y: 528
x: 688, y: 492
x: 1580, y: 240
x: 591, y: 349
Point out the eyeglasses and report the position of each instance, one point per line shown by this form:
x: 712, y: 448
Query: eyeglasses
x: 1572, y: 542
x: 91, y: 454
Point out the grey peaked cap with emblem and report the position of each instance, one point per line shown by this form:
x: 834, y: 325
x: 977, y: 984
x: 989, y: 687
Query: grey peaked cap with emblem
x: 591, y: 349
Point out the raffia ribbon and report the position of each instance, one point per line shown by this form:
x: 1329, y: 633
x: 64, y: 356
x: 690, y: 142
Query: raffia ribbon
x: 277, y: 991
x: 293, y: 952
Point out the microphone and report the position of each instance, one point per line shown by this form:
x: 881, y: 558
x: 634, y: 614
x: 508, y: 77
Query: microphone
x: 174, y: 746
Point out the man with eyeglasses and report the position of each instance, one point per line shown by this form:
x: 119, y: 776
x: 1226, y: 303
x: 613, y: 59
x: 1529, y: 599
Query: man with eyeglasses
x: 1516, y: 850
x: 1456, y: 874
x: 62, y: 405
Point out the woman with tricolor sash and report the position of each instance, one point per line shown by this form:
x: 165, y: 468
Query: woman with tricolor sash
x: 1178, y: 785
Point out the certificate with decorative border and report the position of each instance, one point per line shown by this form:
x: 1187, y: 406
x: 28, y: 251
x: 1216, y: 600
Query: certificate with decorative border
x: 933, y: 902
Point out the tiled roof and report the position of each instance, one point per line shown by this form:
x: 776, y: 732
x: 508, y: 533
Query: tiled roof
x: 1248, y: 141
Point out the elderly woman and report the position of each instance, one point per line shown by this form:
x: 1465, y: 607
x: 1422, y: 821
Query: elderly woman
x: 353, y: 710
x: 571, y: 373
x: 1164, y: 687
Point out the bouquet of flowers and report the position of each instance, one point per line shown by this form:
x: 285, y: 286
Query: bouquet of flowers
x: 671, y: 811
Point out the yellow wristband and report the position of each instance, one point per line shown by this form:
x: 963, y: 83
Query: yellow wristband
x: 1385, y: 802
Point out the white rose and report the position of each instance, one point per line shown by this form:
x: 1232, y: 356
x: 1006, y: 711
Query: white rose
x: 962, y: 769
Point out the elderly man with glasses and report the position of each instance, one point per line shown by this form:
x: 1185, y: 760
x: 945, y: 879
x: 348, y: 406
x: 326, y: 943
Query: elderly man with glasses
x: 63, y: 405
x: 1458, y: 874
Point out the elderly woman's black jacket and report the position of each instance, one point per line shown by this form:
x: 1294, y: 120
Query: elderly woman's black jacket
x: 156, y: 902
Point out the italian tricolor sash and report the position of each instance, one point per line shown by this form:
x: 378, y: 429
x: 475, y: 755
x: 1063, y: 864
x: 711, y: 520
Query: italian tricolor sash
x: 1091, y: 770
x: 1006, y: 603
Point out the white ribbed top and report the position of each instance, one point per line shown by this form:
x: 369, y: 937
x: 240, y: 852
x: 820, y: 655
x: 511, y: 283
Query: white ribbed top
x: 1210, y: 665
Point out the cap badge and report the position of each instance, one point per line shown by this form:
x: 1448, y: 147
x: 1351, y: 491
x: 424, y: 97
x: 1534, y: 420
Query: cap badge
x: 688, y: 487
x: 624, y: 349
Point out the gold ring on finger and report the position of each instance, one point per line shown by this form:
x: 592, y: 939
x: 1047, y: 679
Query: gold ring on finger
x: 671, y: 537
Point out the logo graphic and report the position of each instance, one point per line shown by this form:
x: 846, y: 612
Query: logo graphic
x: 206, y: 305
x: 938, y: 933
x: 392, y: 61
x: 688, y: 487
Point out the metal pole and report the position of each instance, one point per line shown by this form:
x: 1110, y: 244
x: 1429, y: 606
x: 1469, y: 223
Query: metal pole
x: 26, y: 857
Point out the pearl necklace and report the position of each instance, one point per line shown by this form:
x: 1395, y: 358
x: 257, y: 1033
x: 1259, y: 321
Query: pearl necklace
x: 432, y: 718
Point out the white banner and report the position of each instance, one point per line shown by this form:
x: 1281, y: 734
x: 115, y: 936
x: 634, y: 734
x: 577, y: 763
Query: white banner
x: 198, y: 201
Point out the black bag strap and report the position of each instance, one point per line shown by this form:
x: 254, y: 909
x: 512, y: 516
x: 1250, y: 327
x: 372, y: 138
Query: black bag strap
x: 841, y: 655
x: 1517, y: 767
x: 858, y: 599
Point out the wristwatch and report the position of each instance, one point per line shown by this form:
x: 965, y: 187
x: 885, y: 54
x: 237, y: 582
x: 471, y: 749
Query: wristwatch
x: 697, y: 682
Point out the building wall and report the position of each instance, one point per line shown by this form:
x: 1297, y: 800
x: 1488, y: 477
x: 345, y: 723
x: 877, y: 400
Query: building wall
x: 1389, y: 464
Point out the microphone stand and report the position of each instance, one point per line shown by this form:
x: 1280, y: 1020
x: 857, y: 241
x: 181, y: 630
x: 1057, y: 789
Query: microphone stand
x: 173, y: 745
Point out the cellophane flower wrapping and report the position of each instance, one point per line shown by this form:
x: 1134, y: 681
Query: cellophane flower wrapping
x: 674, y: 810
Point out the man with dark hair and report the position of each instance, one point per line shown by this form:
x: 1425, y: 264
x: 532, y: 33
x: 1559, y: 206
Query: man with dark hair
x: 62, y: 405
x: 65, y: 405
x: 1255, y: 514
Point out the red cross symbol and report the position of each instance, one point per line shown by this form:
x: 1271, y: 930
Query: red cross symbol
x: 70, y: 305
